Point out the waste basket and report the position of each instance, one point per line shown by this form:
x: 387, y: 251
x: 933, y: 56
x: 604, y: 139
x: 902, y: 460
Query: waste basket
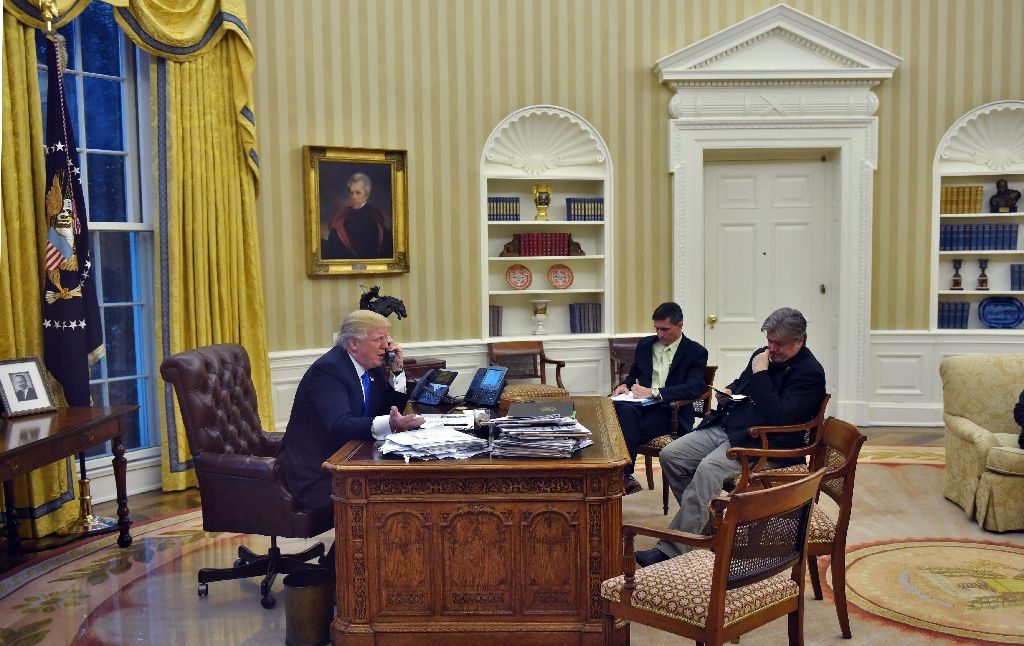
x: 308, y: 607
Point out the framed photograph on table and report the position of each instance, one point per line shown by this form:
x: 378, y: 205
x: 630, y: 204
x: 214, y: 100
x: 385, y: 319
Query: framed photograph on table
x: 357, y: 220
x: 23, y: 390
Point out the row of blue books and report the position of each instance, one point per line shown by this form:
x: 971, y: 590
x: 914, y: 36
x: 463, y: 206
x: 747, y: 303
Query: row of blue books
x: 502, y: 209
x: 589, y: 209
x: 954, y: 314
x: 1017, y: 278
x: 960, y: 237
x: 584, y: 318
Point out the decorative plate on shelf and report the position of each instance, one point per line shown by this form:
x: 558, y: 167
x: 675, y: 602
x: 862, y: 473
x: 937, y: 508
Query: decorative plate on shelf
x: 518, y: 277
x: 560, y: 276
x: 1001, y: 312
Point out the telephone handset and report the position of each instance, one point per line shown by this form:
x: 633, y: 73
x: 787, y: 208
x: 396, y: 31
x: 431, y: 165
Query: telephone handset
x: 432, y: 387
x: 485, y: 390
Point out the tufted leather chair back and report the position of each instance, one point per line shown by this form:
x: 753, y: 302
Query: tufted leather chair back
x: 217, y: 400
x: 241, y: 481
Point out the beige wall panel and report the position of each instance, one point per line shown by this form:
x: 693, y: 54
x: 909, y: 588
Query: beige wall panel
x: 433, y: 77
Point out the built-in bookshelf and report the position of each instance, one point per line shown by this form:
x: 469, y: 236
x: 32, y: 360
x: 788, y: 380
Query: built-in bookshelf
x: 978, y: 248
x: 564, y: 259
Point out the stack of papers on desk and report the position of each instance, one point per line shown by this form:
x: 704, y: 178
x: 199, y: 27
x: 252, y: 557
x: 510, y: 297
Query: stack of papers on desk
x: 435, y: 443
x: 543, y: 436
x: 628, y: 398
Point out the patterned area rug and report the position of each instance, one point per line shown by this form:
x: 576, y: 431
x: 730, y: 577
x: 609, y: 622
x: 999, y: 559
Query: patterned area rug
x: 974, y: 590
x: 97, y: 593
x: 902, y: 455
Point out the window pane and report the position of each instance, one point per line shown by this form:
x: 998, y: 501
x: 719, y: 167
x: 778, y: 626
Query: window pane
x: 131, y: 391
x: 103, y: 118
x: 120, y: 338
x: 118, y: 255
x: 68, y: 33
x: 70, y: 96
x: 101, y: 47
x: 106, y: 188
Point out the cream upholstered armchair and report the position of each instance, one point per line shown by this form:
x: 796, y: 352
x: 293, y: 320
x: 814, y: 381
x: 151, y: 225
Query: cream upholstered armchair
x: 984, y: 466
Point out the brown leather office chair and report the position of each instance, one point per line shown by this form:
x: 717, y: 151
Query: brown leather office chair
x: 524, y: 360
x: 241, y: 482
x: 620, y: 354
x: 651, y: 448
x: 749, y: 572
x: 836, y: 450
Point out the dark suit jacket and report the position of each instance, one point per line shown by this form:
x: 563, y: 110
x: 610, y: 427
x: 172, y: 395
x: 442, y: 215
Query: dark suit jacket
x: 25, y: 395
x: 327, y: 412
x: 785, y: 393
x: 685, y: 379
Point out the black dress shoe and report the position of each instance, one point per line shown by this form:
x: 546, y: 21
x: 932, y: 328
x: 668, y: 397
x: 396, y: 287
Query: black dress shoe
x: 650, y: 557
x: 632, y: 486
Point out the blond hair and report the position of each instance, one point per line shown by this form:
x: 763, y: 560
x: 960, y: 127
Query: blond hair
x: 357, y: 324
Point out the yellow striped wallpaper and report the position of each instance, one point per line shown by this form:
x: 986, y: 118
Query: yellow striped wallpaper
x: 433, y: 77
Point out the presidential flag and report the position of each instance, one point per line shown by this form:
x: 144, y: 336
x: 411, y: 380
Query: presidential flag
x: 72, y: 332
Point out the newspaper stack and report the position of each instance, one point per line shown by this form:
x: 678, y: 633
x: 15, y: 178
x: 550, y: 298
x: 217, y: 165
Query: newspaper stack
x: 437, y: 439
x: 542, y: 436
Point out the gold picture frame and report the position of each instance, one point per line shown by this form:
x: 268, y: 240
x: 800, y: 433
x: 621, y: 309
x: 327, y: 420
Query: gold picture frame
x: 357, y: 219
x: 23, y: 388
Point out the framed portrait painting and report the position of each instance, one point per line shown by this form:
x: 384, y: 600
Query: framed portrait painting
x: 23, y: 390
x: 357, y: 220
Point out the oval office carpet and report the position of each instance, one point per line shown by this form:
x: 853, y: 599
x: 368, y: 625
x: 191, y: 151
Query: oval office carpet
x: 920, y: 572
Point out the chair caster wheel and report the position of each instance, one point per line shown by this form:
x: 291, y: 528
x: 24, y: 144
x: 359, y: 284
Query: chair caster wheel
x: 268, y: 602
x: 204, y: 590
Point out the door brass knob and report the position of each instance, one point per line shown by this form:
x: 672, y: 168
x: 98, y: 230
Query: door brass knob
x: 712, y: 319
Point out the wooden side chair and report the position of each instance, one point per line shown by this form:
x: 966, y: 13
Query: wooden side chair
x: 837, y: 450
x: 620, y: 357
x: 524, y: 360
x: 749, y: 572
x: 651, y: 449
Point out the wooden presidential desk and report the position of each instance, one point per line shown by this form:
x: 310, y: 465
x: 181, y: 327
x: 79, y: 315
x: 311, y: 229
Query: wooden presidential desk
x: 27, y: 443
x: 479, y: 551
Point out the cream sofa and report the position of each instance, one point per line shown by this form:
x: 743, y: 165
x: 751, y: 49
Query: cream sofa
x: 984, y: 466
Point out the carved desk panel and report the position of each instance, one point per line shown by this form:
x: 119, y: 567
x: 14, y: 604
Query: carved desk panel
x: 478, y: 551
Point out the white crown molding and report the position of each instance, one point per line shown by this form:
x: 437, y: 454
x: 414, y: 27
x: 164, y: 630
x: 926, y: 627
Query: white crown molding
x: 544, y: 139
x: 778, y: 45
x: 991, y: 135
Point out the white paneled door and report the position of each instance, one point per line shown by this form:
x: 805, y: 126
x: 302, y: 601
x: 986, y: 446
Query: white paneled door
x: 769, y: 230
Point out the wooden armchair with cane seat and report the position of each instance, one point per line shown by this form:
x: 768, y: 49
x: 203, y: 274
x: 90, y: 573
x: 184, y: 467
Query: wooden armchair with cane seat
x: 836, y: 450
x: 748, y: 573
x: 651, y: 448
x: 241, y: 482
x: 526, y: 360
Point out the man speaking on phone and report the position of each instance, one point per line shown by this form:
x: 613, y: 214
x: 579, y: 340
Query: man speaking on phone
x: 783, y: 383
x: 356, y: 391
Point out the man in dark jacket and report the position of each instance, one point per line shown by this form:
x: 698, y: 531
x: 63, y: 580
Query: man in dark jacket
x: 356, y: 391
x: 666, y: 367
x: 1018, y: 416
x: 782, y: 384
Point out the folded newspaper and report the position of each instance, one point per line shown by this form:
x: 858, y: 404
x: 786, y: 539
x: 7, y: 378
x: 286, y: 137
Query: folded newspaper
x: 539, y: 436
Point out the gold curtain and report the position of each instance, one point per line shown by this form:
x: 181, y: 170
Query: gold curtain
x: 47, y: 495
x: 209, y: 285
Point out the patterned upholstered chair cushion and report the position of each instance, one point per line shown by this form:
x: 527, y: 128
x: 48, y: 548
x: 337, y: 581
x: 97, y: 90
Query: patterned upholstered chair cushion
x: 1007, y: 460
x: 658, y: 443
x: 823, y: 526
x: 680, y: 588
